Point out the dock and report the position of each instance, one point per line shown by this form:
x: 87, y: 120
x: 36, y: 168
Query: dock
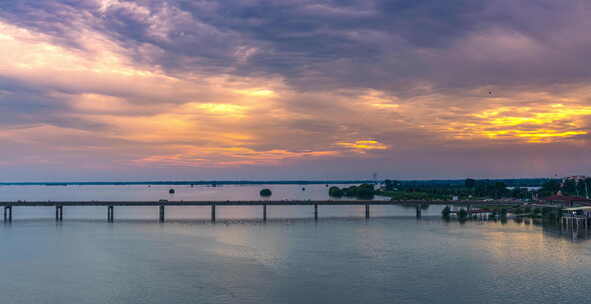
x: 576, y: 217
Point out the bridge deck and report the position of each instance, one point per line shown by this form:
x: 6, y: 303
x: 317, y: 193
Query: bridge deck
x: 59, y: 206
x: 252, y: 203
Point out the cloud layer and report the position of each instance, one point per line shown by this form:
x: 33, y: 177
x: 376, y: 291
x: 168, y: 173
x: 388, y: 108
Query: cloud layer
x: 293, y: 89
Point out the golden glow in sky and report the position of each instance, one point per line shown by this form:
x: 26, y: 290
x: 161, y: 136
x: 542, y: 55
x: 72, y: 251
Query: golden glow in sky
x: 183, y: 92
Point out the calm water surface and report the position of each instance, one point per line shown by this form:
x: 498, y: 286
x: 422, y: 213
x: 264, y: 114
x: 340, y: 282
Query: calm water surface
x: 342, y: 258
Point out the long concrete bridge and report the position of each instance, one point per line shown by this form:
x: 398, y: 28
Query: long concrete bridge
x: 162, y: 204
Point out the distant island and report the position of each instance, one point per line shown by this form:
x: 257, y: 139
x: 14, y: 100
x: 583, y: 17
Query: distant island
x: 520, y: 189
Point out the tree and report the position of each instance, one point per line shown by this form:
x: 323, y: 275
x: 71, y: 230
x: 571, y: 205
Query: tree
x: 462, y: 214
x: 365, y: 191
x: 470, y: 183
x: 520, y: 193
x: 362, y: 191
x: 583, y: 188
x: 335, y: 191
x: 266, y: 193
x: 500, y: 189
x: 388, y: 185
x: 446, y: 211
x: 569, y: 187
x: 549, y: 187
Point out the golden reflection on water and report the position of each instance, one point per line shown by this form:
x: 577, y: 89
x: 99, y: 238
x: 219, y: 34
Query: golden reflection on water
x: 514, y: 242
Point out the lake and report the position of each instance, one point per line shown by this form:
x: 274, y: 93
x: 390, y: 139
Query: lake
x: 341, y: 258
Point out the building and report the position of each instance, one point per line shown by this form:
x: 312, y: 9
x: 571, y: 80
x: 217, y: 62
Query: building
x: 575, y: 178
x: 566, y: 200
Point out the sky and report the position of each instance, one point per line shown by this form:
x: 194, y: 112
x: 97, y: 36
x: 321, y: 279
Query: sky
x: 294, y: 89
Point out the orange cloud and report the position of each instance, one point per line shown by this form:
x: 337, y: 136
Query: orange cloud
x: 363, y: 145
x: 543, y: 123
x: 229, y: 156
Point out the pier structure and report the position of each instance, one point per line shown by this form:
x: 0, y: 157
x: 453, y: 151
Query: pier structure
x: 162, y: 204
x: 576, y: 217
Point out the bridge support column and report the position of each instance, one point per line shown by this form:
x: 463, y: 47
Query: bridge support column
x: 366, y: 211
x: 161, y: 215
x: 315, y: 212
x: 419, y: 212
x: 59, y: 213
x: 264, y: 213
x: 213, y: 213
x: 8, y: 213
x: 110, y: 214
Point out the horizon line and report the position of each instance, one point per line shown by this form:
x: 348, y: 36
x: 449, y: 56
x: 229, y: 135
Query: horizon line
x: 246, y: 181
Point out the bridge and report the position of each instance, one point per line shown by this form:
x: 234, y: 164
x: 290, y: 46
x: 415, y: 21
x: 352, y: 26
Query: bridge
x: 162, y: 204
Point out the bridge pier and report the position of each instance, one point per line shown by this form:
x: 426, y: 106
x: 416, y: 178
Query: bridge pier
x: 110, y: 214
x: 367, y: 211
x: 59, y: 213
x: 8, y: 213
x: 213, y: 213
x: 315, y: 212
x: 265, y: 213
x: 161, y: 215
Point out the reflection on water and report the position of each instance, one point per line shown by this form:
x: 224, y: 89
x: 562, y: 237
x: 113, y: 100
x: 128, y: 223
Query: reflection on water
x: 548, y: 227
x: 349, y: 260
x: 554, y: 229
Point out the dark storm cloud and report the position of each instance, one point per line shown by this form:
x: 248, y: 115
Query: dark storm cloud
x: 331, y: 44
x: 23, y: 105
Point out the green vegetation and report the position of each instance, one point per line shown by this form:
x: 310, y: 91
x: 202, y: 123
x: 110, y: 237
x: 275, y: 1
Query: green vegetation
x: 439, y: 191
x: 462, y: 214
x: 363, y: 191
x: 549, y: 187
x: 390, y: 185
x: 446, y: 212
x: 470, y: 183
x: 335, y: 192
x: 581, y: 188
x: 467, y: 189
x: 266, y: 193
x: 446, y: 190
